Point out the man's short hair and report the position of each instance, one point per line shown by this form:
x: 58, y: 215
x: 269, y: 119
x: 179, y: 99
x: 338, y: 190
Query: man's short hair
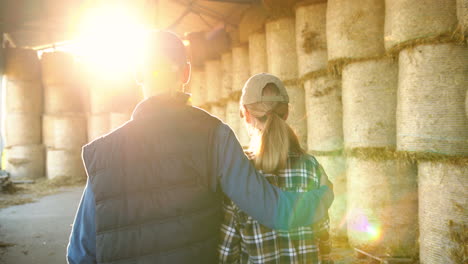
x: 165, y: 43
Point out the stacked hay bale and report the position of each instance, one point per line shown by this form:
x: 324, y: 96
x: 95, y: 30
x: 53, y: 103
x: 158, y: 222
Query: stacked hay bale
x: 257, y: 53
x: 323, y: 105
x: 22, y: 109
x: 214, y: 86
x: 64, y: 121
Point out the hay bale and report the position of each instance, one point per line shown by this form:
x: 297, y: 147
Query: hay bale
x: 118, y: 119
x: 25, y: 161
x: 21, y: 65
x: 431, y: 108
x: 23, y: 97
x: 60, y: 99
x: 311, y: 38
x: 252, y: 21
x: 233, y: 117
x: 100, y: 100
x: 355, y: 29
x: 407, y: 20
x: 324, y: 114
x: 280, y: 8
x: 98, y: 125
x: 240, y: 67
x: 257, y: 53
x: 443, y: 212
x: 226, y: 72
x: 64, y: 131
x: 297, y: 118
x: 219, y: 112
x: 197, y: 86
x: 281, y: 48
x: 369, y: 104
x: 382, y: 206
x: 462, y: 15
x: 334, y: 167
x: 22, y: 129
x: 466, y: 103
x: 213, y: 80
x: 65, y: 163
x: 58, y: 68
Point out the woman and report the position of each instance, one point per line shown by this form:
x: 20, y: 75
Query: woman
x: 276, y: 152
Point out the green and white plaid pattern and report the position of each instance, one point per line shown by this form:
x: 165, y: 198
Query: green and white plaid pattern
x: 244, y: 240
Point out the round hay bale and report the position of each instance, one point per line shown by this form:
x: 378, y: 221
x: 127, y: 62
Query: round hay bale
x: 311, y: 38
x: 462, y: 15
x: 60, y: 99
x: 382, y: 206
x: 280, y: 8
x: 407, y: 20
x: 431, y: 91
x: 64, y: 131
x: 355, y: 29
x: 257, y: 53
x: 213, y: 80
x: 281, y: 48
x: 65, y: 163
x: 226, y: 60
x: 240, y: 67
x: 197, y: 87
x: 219, y: 112
x: 23, y: 97
x: 58, y: 69
x: 233, y: 117
x: 22, y: 129
x: 466, y: 103
x: 100, y: 100
x: 442, y: 212
x: 21, y: 65
x: 334, y: 167
x: 252, y: 21
x: 324, y: 114
x: 26, y: 161
x: 98, y: 125
x: 369, y: 104
x: 297, y: 117
x: 118, y: 119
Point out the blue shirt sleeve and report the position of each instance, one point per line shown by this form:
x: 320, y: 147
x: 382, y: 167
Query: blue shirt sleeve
x: 254, y: 195
x: 82, y: 245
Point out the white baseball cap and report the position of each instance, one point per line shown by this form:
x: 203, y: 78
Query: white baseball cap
x: 253, y: 89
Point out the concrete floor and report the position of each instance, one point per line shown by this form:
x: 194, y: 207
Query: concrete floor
x: 39, y: 230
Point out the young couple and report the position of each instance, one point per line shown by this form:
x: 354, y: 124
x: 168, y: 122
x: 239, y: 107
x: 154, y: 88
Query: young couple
x: 164, y: 186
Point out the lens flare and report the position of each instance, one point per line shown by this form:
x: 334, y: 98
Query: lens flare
x: 367, y: 226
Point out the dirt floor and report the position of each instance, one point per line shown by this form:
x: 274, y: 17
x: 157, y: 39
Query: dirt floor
x: 35, y: 223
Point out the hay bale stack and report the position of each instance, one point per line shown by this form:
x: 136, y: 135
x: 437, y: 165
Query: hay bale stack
x: 64, y: 163
x: 334, y: 167
x: 297, y: 118
x: 355, y: 29
x: 311, y: 38
x: 409, y: 21
x: 26, y: 161
x: 64, y: 131
x: 226, y: 71
x: 98, y: 125
x: 432, y: 87
x: 443, y: 215
x: 462, y: 15
x: 197, y: 86
x: 252, y: 21
x: 369, y: 104
x: 21, y: 65
x: 324, y: 114
x: 213, y: 80
x: 23, y: 97
x: 219, y: 112
x: 382, y: 206
x: 22, y: 129
x: 233, y: 117
x: 118, y: 119
x: 257, y: 53
x: 240, y: 67
x: 281, y: 48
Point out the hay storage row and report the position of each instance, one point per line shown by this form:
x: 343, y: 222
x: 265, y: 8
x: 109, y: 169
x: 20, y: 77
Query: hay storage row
x: 335, y: 168
x: 64, y: 163
x: 382, y: 206
x: 22, y: 129
x: 324, y: 114
x: 197, y: 86
x: 355, y: 29
x: 25, y: 161
x: 23, y: 97
x: 240, y: 67
x: 431, y: 91
x: 407, y: 20
x: 311, y: 38
x: 369, y: 104
x: 443, y: 216
x: 213, y: 80
x: 257, y: 53
x: 64, y: 131
x: 226, y: 72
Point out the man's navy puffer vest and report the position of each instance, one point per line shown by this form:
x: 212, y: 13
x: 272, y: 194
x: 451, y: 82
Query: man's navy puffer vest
x: 156, y: 200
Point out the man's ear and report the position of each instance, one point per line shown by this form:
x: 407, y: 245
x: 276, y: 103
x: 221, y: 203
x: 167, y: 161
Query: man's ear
x: 186, y: 73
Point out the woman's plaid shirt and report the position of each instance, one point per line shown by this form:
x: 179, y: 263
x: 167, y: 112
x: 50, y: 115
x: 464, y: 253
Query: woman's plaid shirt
x: 244, y: 240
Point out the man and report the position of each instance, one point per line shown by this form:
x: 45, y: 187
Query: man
x: 154, y: 185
